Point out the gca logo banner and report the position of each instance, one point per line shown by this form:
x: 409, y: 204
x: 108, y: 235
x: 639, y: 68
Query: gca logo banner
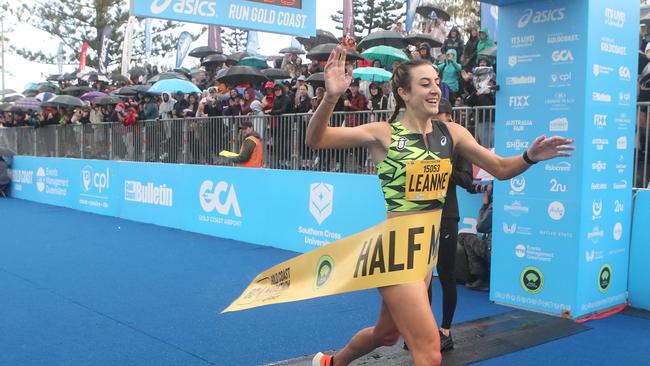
x: 321, y: 201
x: 220, y: 197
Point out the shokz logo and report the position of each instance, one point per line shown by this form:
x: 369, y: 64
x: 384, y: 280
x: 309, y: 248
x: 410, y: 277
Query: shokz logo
x: 321, y: 201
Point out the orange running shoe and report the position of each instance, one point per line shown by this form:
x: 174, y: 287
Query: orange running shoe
x: 322, y: 359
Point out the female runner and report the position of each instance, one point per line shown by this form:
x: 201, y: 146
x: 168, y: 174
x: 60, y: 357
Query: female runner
x: 405, y: 308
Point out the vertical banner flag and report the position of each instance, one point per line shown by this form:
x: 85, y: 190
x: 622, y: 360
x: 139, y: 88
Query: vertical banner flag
x: 490, y: 18
x: 82, y: 57
x: 59, y: 57
x: 411, y: 5
x: 126, y: 46
x: 184, y: 42
x: 348, y: 18
x: 252, y: 43
x: 106, y: 44
x: 147, y: 39
x: 214, y: 38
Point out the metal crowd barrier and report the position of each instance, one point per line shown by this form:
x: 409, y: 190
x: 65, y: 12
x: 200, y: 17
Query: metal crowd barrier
x: 199, y: 140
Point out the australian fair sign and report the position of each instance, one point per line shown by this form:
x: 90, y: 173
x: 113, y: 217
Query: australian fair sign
x: 295, y: 17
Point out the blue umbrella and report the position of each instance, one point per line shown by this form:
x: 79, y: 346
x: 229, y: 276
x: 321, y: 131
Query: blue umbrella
x: 173, y: 86
x: 372, y: 74
x: 253, y: 61
x: 45, y: 96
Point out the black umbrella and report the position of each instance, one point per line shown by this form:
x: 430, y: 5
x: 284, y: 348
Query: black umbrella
x: 66, y: 101
x: 12, y: 98
x: 76, y: 90
x: 30, y: 92
x: 132, y: 90
x: 108, y: 100
x: 322, y: 53
x: 217, y: 58
x: 321, y: 37
x: 276, y: 74
x: 425, y: 11
x: 54, y: 77
x: 242, y: 75
x: 7, y: 91
x: 136, y: 71
x: 69, y: 76
x: 419, y: 38
x: 119, y: 78
x: 383, y: 38
x: 202, y: 51
x: 235, y: 57
x: 316, y: 79
x: 168, y: 75
x: 292, y: 50
x: 184, y: 71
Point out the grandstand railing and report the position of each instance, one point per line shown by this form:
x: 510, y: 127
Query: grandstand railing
x: 199, y: 140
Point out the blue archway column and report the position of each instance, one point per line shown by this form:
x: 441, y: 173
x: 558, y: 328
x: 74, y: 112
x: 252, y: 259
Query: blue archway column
x: 561, y: 231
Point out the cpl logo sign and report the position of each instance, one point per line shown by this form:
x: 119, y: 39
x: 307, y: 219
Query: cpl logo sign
x: 91, y: 180
x: 540, y: 17
x: 220, y: 197
x: 189, y: 7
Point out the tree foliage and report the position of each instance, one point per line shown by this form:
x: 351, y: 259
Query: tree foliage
x: 234, y: 39
x: 372, y: 15
x: 76, y: 21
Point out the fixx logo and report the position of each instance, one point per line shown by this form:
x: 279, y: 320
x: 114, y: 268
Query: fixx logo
x: 541, y: 16
x: 203, y: 8
x: 321, y: 201
x: 600, y: 121
x: 518, y: 101
x: 95, y: 181
x: 220, y: 197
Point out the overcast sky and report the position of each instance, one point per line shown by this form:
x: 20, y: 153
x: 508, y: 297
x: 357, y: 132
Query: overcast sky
x: 19, y: 72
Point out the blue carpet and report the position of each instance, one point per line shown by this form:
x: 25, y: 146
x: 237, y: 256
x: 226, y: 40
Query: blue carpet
x: 84, y: 289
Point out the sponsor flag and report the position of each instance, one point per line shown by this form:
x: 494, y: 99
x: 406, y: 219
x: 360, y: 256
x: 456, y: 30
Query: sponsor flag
x: 184, y: 42
x: 214, y: 38
x: 348, y: 18
x: 147, y: 39
x: 82, y: 57
x: 59, y: 57
x: 126, y: 46
x: 252, y: 43
x: 490, y: 18
x: 411, y: 6
x: 106, y: 45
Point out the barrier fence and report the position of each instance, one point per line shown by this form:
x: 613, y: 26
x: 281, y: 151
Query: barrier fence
x: 199, y: 140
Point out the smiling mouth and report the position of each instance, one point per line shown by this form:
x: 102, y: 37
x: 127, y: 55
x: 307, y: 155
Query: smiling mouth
x: 433, y: 100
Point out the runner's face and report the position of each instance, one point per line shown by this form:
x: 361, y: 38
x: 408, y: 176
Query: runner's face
x: 424, y: 95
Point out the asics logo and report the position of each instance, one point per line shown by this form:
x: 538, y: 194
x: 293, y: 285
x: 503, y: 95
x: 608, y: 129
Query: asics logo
x: 158, y: 6
x: 543, y: 16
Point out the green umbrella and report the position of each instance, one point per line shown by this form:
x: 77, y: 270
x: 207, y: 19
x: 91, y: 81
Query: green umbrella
x: 253, y: 61
x: 385, y: 54
x: 372, y: 74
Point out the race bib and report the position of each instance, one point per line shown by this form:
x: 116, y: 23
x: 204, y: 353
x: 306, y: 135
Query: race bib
x: 427, y: 180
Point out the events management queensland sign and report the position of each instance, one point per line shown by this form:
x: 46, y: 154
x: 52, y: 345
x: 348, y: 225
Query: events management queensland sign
x: 556, y: 227
x: 291, y: 210
x: 295, y: 17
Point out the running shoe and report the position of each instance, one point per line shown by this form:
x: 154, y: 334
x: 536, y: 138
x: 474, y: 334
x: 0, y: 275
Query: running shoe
x: 446, y: 342
x: 322, y: 359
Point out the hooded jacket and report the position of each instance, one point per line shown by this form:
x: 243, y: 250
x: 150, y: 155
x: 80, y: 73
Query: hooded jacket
x: 450, y: 71
x: 483, y: 44
x: 470, y: 50
x: 453, y: 43
x: 166, y: 108
x: 6, y: 157
x: 281, y: 104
